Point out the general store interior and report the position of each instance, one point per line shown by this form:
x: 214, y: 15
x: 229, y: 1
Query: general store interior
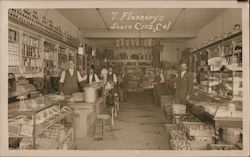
x: 43, y: 41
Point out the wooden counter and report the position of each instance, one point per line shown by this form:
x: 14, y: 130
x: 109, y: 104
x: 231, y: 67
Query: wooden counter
x: 86, y: 114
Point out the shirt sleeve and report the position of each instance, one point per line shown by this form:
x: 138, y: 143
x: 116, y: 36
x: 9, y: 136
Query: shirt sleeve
x: 115, y: 79
x: 162, y: 78
x: 79, y: 77
x: 62, y: 77
x: 84, y: 78
x: 96, y: 78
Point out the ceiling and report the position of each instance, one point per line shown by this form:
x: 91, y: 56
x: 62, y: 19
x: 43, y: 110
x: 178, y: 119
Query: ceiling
x: 95, y: 23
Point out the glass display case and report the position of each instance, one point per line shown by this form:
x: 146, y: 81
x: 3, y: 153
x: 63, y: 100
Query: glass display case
x: 44, y: 122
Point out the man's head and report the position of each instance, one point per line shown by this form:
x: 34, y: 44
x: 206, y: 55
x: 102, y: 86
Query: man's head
x: 184, y: 67
x: 71, y: 64
x: 91, y: 71
x: 110, y: 70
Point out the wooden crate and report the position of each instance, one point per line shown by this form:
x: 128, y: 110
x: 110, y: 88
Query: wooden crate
x: 194, y: 129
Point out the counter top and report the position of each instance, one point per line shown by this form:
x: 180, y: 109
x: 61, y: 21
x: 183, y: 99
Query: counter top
x: 34, y: 105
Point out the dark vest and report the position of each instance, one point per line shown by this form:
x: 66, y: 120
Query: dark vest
x: 157, y: 79
x: 93, y: 78
x: 110, y: 77
x: 70, y: 84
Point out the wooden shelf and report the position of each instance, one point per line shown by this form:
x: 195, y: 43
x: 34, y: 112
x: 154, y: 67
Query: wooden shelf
x: 31, y: 57
x: 219, y: 41
x: 129, y: 60
x: 48, y: 34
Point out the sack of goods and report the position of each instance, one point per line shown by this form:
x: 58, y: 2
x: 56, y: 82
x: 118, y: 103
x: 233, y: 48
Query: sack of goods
x: 231, y: 135
x: 178, y: 109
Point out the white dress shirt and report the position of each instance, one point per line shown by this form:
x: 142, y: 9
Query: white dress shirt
x: 104, y: 73
x: 162, y: 78
x: 182, y: 73
x: 71, y: 71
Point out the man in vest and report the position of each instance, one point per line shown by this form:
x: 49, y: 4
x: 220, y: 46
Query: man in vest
x: 111, y: 78
x: 123, y: 86
x: 91, y: 77
x: 157, y: 91
x: 184, y: 85
x: 70, y: 79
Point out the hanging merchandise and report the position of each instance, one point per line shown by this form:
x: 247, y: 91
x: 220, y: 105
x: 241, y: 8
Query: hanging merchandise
x: 132, y: 42
x: 141, y: 42
x: 122, y: 42
x: 145, y: 42
x: 80, y: 50
x: 93, y: 52
x: 117, y: 43
x: 149, y: 42
x: 127, y: 42
x: 137, y: 42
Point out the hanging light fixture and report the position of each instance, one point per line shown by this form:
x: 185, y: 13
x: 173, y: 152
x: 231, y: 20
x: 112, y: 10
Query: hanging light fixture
x: 93, y: 51
x: 80, y: 48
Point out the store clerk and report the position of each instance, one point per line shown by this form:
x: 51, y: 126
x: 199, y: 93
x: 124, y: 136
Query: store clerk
x: 91, y: 77
x: 70, y: 79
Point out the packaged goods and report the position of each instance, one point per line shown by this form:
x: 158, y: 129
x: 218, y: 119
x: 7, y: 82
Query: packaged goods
x: 231, y: 135
x: 198, y: 129
x: 208, y: 139
x: 66, y: 109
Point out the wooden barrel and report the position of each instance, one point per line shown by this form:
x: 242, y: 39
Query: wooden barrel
x: 90, y: 94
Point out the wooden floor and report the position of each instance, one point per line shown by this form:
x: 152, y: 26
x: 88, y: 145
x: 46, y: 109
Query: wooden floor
x: 140, y: 126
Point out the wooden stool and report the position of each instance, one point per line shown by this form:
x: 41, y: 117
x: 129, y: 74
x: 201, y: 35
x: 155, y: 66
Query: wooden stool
x: 104, y: 118
x: 116, y: 104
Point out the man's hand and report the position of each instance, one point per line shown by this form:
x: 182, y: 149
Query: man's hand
x: 188, y: 97
x: 61, y: 93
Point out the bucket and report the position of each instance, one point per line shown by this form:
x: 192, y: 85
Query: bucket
x: 90, y: 94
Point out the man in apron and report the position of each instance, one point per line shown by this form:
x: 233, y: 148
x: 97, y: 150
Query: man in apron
x: 70, y: 79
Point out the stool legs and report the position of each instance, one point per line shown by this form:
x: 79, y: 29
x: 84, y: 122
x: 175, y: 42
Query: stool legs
x: 112, y: 118
x: 103, y: 129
